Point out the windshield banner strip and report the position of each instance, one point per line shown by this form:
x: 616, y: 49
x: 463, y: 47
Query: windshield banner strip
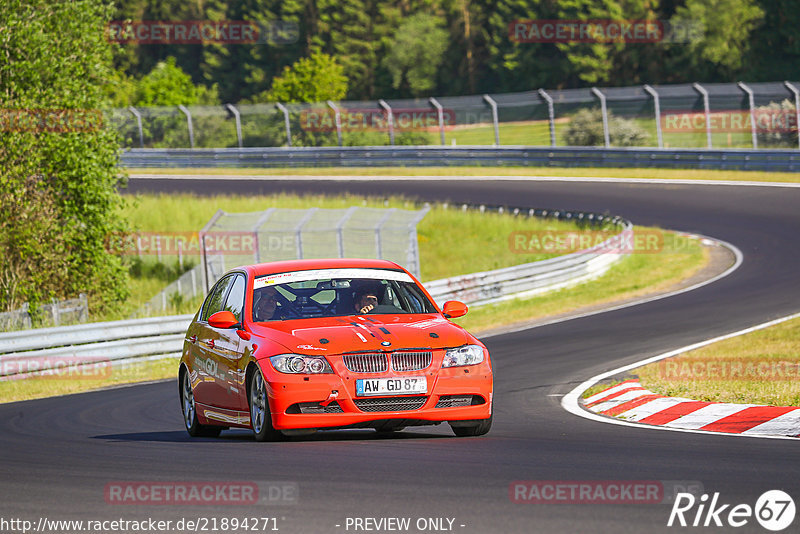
x: 323, y: 274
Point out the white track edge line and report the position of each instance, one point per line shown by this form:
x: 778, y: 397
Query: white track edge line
x: 493, y: 178
x: 571, y: 401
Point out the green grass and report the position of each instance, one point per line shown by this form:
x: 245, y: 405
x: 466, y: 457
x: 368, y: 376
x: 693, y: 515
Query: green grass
x: 633, y: 276
x: 54, y: 385
x: 761, y: 367
x: 663, y: 174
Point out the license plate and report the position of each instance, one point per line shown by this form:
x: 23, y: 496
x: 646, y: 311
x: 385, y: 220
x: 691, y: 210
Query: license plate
x: 391, y: 386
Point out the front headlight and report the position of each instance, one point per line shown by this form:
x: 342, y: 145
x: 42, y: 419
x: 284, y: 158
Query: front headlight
x: 466, y: 355
x: 298, y: 364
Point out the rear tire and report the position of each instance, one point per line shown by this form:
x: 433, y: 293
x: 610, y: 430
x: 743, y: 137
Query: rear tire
x: 193, y: 427
x: 260, y: 417
x: 480, y: 429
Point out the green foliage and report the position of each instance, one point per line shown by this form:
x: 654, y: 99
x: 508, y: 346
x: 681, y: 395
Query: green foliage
x: 59, y: 185
x: 586, y: 129
x: 775, y: 127
x: 168, y: 85
x: 313, y: 79
x: 416, y: 53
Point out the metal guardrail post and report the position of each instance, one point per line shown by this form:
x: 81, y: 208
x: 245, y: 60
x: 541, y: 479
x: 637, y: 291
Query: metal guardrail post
x: 657, y: 106
x: 338, y: 118
x: 186, y: 112
x: 440, y: 112
x: 604, y: 111
x: 707, y: 107
x: 796, y: 93
x: 138, y: 116
x: 238, y: 118
x: 298, y: 230
x: 286, y: 122
x: 752, y: 105
x: 493, y: 104
x: 390, y: 116
x: 551, y: 114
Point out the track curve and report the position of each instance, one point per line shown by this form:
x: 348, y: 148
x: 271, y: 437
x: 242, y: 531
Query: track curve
x: 58, y: 454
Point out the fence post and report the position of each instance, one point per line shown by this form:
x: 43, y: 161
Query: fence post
x: 55, y: 312
x: 752, y: 105
x: 796, y: 93
x: 298, y: 231
x: 604, y: 111
x: 440, y: 112
x: 657, y: 105
x: 707, y: 107
x: 257, y: 231
x: 238, y: 118
x: 186, y: 112
x: 493, y: 104
x: 338, y: 118
x: 203, y: 254
x: 551, y: 114
x: 413, y: 248
x: 378, y: 227
x: 340, y: 229
x: 83, y: 315
x: 139, y: 123
x: 388, y: 109
x: 286, y: 122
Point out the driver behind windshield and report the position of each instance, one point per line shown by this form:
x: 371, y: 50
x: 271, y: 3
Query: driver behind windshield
x: 267, y: 304
x: 366, y: 300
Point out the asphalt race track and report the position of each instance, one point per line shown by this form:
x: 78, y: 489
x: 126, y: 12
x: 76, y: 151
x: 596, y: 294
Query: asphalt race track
x: 59, y: 454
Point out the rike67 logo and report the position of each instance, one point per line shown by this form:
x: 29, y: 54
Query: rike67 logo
x: 774, y: 510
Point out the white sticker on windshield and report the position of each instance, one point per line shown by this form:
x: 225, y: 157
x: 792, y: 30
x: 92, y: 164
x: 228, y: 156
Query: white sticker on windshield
x: 324, y: 274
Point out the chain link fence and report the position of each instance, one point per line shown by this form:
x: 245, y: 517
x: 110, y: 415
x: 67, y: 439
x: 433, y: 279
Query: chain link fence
x: 733, y: 115
x: 232, y: 239
x: 56, y: 313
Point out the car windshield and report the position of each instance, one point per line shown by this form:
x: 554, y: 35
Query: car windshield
x: 308, y: 294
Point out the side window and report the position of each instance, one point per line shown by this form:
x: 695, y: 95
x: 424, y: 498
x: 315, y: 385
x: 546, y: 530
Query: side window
x: 235, y: 301
x: 215, y: 299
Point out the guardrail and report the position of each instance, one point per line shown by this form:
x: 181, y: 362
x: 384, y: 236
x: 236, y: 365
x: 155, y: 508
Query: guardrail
x: 70, y: 349
x: 416, y: 156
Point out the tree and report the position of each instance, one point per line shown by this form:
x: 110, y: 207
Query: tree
x: 58, y: 161
x: 416, y: 53
x: 313, y: 79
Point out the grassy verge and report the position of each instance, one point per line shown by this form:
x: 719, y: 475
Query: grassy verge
x: 633, y: 276
x: 761, y: 367
x: 54, y: 385
x: 665, y: 174
x: 451, y: 241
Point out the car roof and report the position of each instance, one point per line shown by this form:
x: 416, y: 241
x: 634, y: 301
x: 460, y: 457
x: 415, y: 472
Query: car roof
x: 275, y: 267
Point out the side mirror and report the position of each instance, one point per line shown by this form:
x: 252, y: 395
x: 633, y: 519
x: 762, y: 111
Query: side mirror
x: 454, y: 308
x: 223, y: 319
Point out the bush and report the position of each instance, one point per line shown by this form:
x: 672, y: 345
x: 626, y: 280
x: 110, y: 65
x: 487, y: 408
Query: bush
x: 58, y: 180
x: 776, y: 124
x: 586, y: 129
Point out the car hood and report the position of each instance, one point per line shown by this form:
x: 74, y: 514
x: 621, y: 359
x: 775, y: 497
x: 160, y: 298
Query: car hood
x: 335, y: 335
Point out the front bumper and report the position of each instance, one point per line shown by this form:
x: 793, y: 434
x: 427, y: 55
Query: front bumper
x: 288, y: 392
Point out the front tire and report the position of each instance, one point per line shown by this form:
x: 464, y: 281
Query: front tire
x: 260, y: 417
x: 479, y: 429
x: 189, y: 409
